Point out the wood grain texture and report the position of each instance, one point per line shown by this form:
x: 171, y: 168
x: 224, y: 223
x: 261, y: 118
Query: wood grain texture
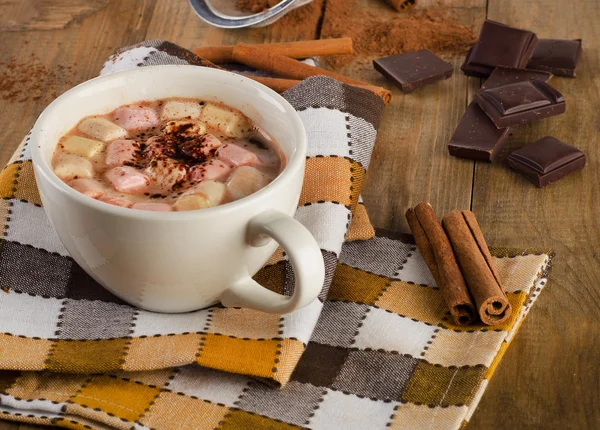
x: 84, y: 45
x: 410, y: 159
x: 45, y: 15
x: 174, y: 21
x: 549, y: 377
x: 88, y: 43
x: 81, y: 37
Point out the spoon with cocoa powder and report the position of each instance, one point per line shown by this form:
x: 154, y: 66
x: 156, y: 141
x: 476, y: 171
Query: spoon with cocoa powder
x: 208, y: 13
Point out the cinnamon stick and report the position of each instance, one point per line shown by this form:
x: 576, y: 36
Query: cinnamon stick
x: 280, y: 85
x: 434, y: 246
x: 476, y: 264
x: 302, y: 49
x: 280, y: 65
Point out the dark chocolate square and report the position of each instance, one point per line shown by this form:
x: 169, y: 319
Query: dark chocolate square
x: 507, y: 75
x: 560, y: 57
x: 499, y: 45
x: 476, y: 70
x: 413, y: 70
x: 520, y: 103
x: 546, y: 161
x: 476, y: 136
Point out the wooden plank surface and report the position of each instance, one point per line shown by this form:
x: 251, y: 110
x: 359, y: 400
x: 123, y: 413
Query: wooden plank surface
x: 411, y: 156
x: 83, y: 44
x: 549, y: 377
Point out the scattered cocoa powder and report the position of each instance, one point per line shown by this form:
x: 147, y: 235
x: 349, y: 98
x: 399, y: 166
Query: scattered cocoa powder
x: 255, y: 6
x: 301, y: 22
x: 374, y: 34
x: 303, y: 19
x: 400, y: 5
x: 27, y: 79
x: 381, y: 35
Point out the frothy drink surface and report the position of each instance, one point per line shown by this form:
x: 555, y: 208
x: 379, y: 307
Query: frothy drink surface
x: 168, y: 155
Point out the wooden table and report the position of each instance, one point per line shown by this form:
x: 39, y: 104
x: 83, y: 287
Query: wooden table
x: 549, y: 377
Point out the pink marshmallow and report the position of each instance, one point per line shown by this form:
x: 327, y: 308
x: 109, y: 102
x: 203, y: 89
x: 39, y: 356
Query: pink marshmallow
x: 214, y: 169
x: 121, y: 151
x: 210, y: 142
x: 89, y: 187
x: 136, y: 118
x: 117, y: 201
x: 156, y: 207
x: 127, y: 179
x: 237, y: 156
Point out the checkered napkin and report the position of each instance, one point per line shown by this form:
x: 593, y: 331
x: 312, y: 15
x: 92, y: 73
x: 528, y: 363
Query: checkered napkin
x: 79, y: 327
x: 384, y: 351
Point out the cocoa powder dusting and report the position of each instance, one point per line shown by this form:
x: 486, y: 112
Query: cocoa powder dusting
x: 29, y: 79
x: 376, y: 36
x: 255, y: 6
x: 301, y: 22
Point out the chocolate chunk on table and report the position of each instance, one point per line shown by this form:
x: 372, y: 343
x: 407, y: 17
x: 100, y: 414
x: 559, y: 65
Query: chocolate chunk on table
x: 546, y: 161
x: 476, y: 136
x: 520, y: 103
x: 560, y: 57
x: 506, y: 75
x: 475, y: 70
x: 499, y: 45
x: 413, y: 70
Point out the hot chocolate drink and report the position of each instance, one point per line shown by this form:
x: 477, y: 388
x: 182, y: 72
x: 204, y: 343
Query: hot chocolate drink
x: 168, y: 155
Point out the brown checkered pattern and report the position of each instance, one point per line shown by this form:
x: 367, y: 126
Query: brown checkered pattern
x: 69, y: 323
x: 384, y: 351
x: 384, y: 354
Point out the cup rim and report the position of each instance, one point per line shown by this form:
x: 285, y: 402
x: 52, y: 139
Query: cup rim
x: 294, y: 163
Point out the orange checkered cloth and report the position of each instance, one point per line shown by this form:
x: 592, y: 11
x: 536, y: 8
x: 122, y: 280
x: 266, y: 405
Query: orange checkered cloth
x: 377, y: 350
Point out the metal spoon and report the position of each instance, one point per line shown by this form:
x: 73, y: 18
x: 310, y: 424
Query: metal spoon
x: 208, y: 13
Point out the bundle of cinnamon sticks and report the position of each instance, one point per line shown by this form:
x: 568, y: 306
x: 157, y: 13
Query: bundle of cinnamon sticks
x: 280, y: 59
x: 460, y: 262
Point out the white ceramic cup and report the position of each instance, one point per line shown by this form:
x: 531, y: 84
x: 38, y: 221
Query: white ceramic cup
x: 183, y: 261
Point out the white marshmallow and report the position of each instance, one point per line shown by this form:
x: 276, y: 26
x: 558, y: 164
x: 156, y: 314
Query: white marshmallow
x: 244, y: 181
x: 102, y: 129
x: 82, y: 146
x: 71, y: 166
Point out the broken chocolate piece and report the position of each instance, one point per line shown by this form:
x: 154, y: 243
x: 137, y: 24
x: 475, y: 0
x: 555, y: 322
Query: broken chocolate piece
x: 475, y: 70
x: 546, y: 161
x: 476, y: 137
x: 499, y: 45
x: 506, y: 75
x: 413, y: 70
x: 520, y: 103
x: 560, y: 57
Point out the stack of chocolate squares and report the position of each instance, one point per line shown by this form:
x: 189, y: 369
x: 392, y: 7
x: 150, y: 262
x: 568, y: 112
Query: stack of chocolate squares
x: 518, y: 67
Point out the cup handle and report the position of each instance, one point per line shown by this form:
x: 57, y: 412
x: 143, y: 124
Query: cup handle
x: 302, y: 251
